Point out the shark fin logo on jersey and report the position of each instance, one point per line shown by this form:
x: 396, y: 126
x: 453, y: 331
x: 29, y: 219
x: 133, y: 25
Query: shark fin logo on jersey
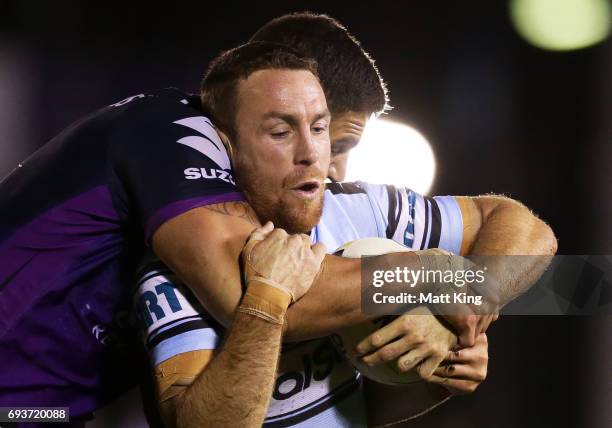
x: 208, y: 143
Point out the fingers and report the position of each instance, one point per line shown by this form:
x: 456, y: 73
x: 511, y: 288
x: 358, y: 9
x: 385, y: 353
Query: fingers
x: 288, y: 262
x: 447, y: 370
x: 261, y: 232
x: 410, y: 360
x: 465, y: 369
x: 465, y: 325
x: 425, y: 359
x: 456, y: 386
x: 318, y: 250
x: 267, y: 228
x: 468, y: 362
x: 427, y: 367
x: 465, y: 355
x: 255, y: 239
x: 461, y: 371
x: 466, y: 337
x: 484, y: 322
x: 296, y: 244
x: 257, y: 236
x: 461, y: 356
x: 390, y: 351
x: 381, y: 337
x: 468, y: 355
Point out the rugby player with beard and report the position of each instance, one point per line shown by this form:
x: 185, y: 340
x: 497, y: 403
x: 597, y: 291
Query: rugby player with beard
x: 353, y: 93
x: 275, y: 118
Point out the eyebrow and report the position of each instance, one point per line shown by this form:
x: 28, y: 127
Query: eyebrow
x: 290, y: 119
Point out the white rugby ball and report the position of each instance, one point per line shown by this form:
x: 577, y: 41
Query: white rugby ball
x: 345, y: 340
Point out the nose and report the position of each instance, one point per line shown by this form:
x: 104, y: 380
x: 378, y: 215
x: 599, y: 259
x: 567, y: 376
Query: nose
x: 307, y: 149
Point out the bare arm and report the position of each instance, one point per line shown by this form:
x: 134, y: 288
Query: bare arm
x: 234, y: 389
x: 202, y: 247
x: 493, y: 225
x: 496, y: 225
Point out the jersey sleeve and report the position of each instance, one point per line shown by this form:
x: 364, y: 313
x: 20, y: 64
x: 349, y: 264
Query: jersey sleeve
x: 169, y: 316
x: 414, y: 220
x: 168, y: 159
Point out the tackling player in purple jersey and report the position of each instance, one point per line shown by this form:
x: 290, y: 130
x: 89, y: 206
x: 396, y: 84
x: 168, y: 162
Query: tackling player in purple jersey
x: 76, y: 216
x: 75, y: 219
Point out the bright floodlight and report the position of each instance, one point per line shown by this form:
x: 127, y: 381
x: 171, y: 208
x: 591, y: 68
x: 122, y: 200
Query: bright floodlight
x: 393, y: 153
x: 561, y: 24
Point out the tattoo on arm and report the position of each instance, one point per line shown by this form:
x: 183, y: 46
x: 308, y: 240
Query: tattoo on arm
x: 235, y: 209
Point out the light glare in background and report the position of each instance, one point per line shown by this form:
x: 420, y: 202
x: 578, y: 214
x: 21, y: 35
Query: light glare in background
x: 393, y: 153
x: 561, y: 24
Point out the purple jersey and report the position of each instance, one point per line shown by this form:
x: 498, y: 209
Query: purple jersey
x: 75, y: 219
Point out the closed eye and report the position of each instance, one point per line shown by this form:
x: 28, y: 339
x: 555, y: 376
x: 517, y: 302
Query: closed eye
x: 279, y: 135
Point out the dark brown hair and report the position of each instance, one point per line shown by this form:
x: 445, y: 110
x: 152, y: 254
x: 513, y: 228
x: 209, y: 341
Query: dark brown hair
x: 348, y: 75
x: 219, y: 86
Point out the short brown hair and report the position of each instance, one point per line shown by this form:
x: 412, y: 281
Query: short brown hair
x: 218, y: 88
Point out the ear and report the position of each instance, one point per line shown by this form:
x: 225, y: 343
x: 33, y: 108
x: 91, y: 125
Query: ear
x: 227, y: 143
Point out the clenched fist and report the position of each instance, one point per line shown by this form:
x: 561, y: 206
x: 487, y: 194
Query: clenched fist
x: 287, y: 262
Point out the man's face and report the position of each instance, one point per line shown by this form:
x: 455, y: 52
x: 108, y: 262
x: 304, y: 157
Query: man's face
x: 282, y: 146
x: 345, y: 131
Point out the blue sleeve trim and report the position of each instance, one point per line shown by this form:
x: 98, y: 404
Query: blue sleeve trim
x: 194, y: 340
x: 451, y: 236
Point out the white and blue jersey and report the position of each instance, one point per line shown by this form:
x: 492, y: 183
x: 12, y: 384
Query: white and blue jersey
x: 315, y: 386
x: 362, y: 210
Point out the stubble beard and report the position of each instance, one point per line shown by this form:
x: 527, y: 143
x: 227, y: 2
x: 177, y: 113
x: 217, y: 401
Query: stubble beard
x: 290, y: 213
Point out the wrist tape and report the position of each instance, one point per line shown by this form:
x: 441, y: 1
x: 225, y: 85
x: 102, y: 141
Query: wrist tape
x: 250, y: 273
x: 265, y: 300
x: 436, y: 259
x: 176, y: 374
x: 439, y: 260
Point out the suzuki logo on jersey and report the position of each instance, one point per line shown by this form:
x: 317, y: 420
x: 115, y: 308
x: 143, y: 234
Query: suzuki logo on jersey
x: 208, y: 142
x: 209, y: 174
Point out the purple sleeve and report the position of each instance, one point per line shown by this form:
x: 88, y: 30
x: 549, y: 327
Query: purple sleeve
x: 169, y: 159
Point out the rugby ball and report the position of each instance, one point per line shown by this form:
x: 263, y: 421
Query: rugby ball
x: 345, y: 340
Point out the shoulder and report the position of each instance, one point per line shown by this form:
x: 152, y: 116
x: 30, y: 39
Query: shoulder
x: 164, y: 104
x: 166, y: 117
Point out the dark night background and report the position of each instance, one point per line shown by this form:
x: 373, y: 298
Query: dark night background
x: 502, y: 116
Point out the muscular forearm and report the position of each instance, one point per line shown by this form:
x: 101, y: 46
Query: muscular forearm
x: 502, y: 227
x: 235, y: 388
x: 334, y: 300
x: 510, y: 229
